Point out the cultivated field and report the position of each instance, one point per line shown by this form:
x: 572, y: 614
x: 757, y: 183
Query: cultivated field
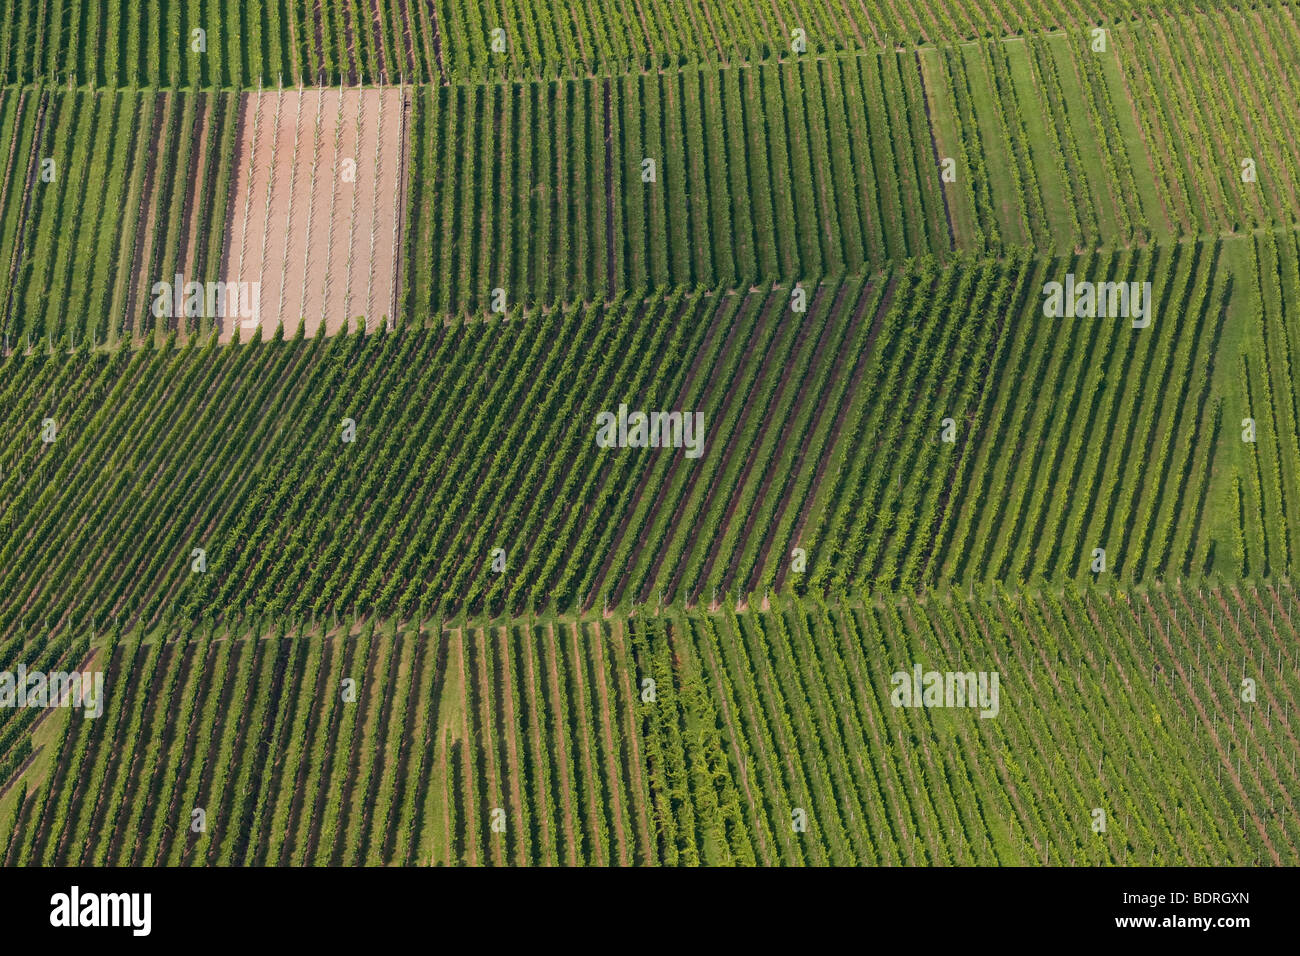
x: 988, y: 316
x: 798, y: 451
x: 153, y: 44
x: 534, y: 741
x: 103, y: 195
x: 819, y: 166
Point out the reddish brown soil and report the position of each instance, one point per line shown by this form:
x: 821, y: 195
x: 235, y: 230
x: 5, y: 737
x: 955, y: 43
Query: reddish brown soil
x: 302, y: 241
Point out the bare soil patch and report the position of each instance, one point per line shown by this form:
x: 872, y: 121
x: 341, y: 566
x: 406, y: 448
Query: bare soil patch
x: 321, y: 236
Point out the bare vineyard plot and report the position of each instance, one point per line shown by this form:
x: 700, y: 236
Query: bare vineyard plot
x: 312, y: 224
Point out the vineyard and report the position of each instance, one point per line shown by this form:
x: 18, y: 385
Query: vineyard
x: 805, y: 169
x: 691, y: 738
x: 103, y: 195
x: 969, y: 337
x: 154, y: 44
x: 1134, y: 429
x: 825, y: 166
